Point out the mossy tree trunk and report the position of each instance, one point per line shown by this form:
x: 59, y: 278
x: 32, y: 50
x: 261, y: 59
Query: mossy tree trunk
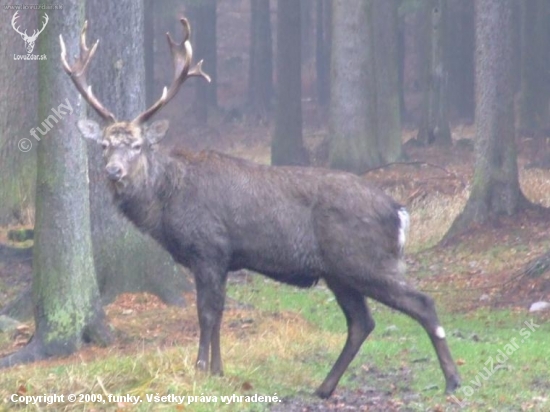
x: 125, y: 259
x: 287, y: 147
x: 260, y: 70
x: 495, y: 187
x: 18, y: 106
x: 434, y: 126
x: 67, y: 305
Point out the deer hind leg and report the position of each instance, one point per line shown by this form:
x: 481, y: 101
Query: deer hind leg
x: 360, y: 325
x: 420, y: 307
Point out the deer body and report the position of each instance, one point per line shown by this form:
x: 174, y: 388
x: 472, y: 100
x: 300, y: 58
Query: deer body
x: 273, y: 220
x: 215, y: 213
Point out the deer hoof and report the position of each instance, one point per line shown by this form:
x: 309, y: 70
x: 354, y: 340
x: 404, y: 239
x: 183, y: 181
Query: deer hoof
x: 452, y: 385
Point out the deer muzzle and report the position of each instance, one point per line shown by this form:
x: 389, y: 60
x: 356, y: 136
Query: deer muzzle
x: 115, y: 172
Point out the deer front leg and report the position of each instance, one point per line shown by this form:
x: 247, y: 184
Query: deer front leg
x: 216, y: 356
x: 210, y: 284
x: 216, y: 361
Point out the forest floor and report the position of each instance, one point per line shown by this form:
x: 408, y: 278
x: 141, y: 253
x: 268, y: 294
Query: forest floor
x: 279, y: 341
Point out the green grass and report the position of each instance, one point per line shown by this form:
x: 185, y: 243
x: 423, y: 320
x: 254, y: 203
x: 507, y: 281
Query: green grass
x: 295, y: 337
x: 475, y: 339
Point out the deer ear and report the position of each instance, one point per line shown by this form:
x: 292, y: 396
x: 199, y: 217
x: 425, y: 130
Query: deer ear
x: 156, y: 131
x: 90, y: 129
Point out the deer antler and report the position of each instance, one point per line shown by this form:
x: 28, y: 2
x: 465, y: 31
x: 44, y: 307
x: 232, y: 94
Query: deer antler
x: 78, y: 73
x: 182, y: 55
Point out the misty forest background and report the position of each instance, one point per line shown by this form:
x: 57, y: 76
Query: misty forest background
x: 356, y: 85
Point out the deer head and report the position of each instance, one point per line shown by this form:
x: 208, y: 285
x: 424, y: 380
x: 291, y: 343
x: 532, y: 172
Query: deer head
x: 29, y: 40
x: 127, y: 143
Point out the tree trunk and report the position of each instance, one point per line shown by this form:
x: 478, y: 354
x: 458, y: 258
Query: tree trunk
x: 204, y: 20
x: 495, y: 186
x: 125, y: 259
x: 260, y: 71
x: 306, y: 19
x: 18, y: 82
x: 434, y: 127
x: 460, y: 58
x: 322, y: 51
x: 534, y: 69
x: 67, y: 306
x: 287, y: 146
x: 353, y: 144
x: 401, y: 67
x: 149, y: 51
x: 384, y: 34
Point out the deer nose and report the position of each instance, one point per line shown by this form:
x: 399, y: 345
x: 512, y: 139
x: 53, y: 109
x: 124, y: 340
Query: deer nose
x: 114, y: 172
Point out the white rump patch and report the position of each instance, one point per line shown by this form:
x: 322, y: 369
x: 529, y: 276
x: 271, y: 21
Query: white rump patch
x: 403, y: 226
x: 440, y: 332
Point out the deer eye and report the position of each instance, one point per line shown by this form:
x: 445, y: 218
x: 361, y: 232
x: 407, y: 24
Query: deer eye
x: 136, y: 147
x: 104, y: 144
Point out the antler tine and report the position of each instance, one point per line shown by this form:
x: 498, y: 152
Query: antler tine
x: 83, y: 45
x: 182, y: 55
x: 197, y: 71
x: 187, y: 30
x: 77, y: 73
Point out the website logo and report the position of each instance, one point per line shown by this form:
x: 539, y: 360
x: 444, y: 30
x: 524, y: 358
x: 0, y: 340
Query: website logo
x: 29, y: 40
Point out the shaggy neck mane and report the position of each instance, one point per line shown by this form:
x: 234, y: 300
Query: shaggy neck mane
x: 142, y: 199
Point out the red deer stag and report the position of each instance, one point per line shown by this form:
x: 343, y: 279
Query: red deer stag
x: 215, y: 213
